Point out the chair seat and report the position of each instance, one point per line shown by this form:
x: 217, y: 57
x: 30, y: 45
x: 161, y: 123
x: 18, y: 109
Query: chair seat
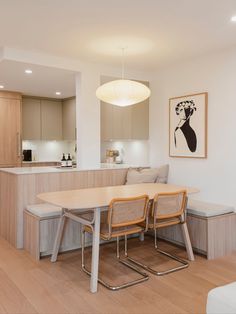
x: 116, y: 232
x: 161, y: 222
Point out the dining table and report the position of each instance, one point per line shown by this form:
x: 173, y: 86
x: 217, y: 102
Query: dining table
x: 97, y: 199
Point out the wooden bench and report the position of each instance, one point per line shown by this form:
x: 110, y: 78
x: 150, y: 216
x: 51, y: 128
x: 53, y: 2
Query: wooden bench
x: 40, y: 226
x: 212, y: 229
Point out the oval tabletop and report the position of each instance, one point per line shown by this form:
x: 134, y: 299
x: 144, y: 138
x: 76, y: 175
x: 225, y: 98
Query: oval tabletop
x: 101, y: 196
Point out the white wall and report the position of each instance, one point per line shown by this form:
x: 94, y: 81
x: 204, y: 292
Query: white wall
x: 133, y: 153
x: 215, y: 74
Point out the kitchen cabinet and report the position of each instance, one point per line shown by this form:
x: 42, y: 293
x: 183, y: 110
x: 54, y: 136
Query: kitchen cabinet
x: 10, y: 129
x: 41, y: 119
x: 69, y: 119
x: 31, y: 119
x: 51, y: 119
x: 106, y: 121
x: 140, y: 121
x: 125, y: 123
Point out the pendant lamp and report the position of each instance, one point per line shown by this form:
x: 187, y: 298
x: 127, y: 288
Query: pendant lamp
x: 123, y: 92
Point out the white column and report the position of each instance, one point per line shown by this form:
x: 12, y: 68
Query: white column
x: 88, y: 120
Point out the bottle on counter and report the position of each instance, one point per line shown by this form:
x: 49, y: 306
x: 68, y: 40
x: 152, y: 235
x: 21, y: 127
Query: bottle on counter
x: 69, y: 160
x: 63, y: 161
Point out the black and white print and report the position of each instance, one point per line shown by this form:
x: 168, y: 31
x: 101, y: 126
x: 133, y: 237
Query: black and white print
x: 188, y: 126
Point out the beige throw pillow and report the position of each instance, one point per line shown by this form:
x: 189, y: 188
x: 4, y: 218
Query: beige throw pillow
x: 163, y: 172
x: 150, y: 175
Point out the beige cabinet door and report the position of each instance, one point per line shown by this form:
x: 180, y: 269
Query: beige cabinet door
x: 106, y: 121
x: 10, y: 130
x: 121, y: 122
x: 51, y: 123
x: 125, y: 123
x: 140, y: 121
x: 69, y: 119
x: 31, y: 119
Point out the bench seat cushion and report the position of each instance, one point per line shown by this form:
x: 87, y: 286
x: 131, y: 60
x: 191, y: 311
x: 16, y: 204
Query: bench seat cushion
x: 205, y: 209
x: 222, y: 300
x: 44, y: 210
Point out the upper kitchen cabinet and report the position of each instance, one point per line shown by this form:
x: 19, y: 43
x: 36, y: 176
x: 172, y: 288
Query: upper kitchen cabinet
x: 42, y: 119
x: 10, y: 129
x: 51, y: 120
x: 69, y: 119
x: 140, y: 121
x: 31, y: 119
x: 125, y: 123
x: 121, y: 122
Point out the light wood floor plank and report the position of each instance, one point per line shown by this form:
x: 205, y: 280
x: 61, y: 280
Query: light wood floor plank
x: 43, y: 287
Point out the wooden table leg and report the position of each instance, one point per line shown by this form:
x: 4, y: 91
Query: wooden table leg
x: 58, y: 238
x: 95, y: 251
x: 187, y: 241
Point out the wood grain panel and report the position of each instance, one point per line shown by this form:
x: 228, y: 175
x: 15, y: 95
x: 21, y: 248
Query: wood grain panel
x: 10, y: 130
x: 43, y: 287
x: 212, y: 236
x: 221, y: 239
x: 18, y: 191
x: 8, y: 207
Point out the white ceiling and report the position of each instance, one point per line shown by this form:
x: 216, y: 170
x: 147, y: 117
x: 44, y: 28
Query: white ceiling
x: 44, y: 81
x: 156, y: 32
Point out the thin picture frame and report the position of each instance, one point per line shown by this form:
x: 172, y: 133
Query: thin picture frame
x: 188, y: 126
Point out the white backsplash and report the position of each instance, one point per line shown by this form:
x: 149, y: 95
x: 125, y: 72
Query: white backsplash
x: 135, y: 153
x: 49, y: 150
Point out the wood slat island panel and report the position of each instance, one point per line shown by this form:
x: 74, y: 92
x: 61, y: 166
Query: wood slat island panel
x: 19, y: 190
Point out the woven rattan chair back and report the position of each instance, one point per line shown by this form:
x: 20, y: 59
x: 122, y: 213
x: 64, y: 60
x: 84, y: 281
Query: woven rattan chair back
x: 127, y: 211
x: 169, y: 205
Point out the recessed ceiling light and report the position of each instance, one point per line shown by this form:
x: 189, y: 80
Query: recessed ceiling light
x: 28, y: 71
x: 1, y: 86
x: 58, y: 93
x: 233, y: 18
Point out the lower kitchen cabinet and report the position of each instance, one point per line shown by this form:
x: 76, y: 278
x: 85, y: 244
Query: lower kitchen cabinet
x: 10, y: 129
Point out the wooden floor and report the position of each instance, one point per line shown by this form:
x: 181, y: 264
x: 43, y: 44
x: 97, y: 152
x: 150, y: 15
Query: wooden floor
x: 27, y: 286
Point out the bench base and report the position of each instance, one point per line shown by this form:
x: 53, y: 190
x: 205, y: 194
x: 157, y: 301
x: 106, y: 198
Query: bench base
x: 39, y: 235
x: 212, y: 236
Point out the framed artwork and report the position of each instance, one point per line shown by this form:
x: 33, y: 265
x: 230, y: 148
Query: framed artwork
x: 188, y: 126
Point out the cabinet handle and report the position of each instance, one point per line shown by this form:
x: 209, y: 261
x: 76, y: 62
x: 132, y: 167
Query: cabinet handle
x: 18, y: 145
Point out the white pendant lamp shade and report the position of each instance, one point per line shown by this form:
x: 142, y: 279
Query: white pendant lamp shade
x: 123, y: 92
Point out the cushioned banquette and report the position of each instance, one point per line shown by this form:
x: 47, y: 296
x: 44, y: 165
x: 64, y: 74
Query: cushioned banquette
x: 41, y: 220
x: 212, y: 229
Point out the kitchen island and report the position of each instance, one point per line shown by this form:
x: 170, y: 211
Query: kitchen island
x: 19, y: 187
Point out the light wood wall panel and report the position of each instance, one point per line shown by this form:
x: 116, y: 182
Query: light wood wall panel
x: 212, y: 236
x: 18, y: 191
x: 10, y: 129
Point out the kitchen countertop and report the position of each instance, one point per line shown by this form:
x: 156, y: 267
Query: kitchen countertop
x: 33, y: 170
x: 39, y: 161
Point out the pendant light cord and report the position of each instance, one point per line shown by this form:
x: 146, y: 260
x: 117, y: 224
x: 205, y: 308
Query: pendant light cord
x: 123, y: 63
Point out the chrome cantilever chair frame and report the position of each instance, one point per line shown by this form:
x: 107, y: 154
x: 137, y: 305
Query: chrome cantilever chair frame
x: 144, y: 276
x: 182, y: 220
